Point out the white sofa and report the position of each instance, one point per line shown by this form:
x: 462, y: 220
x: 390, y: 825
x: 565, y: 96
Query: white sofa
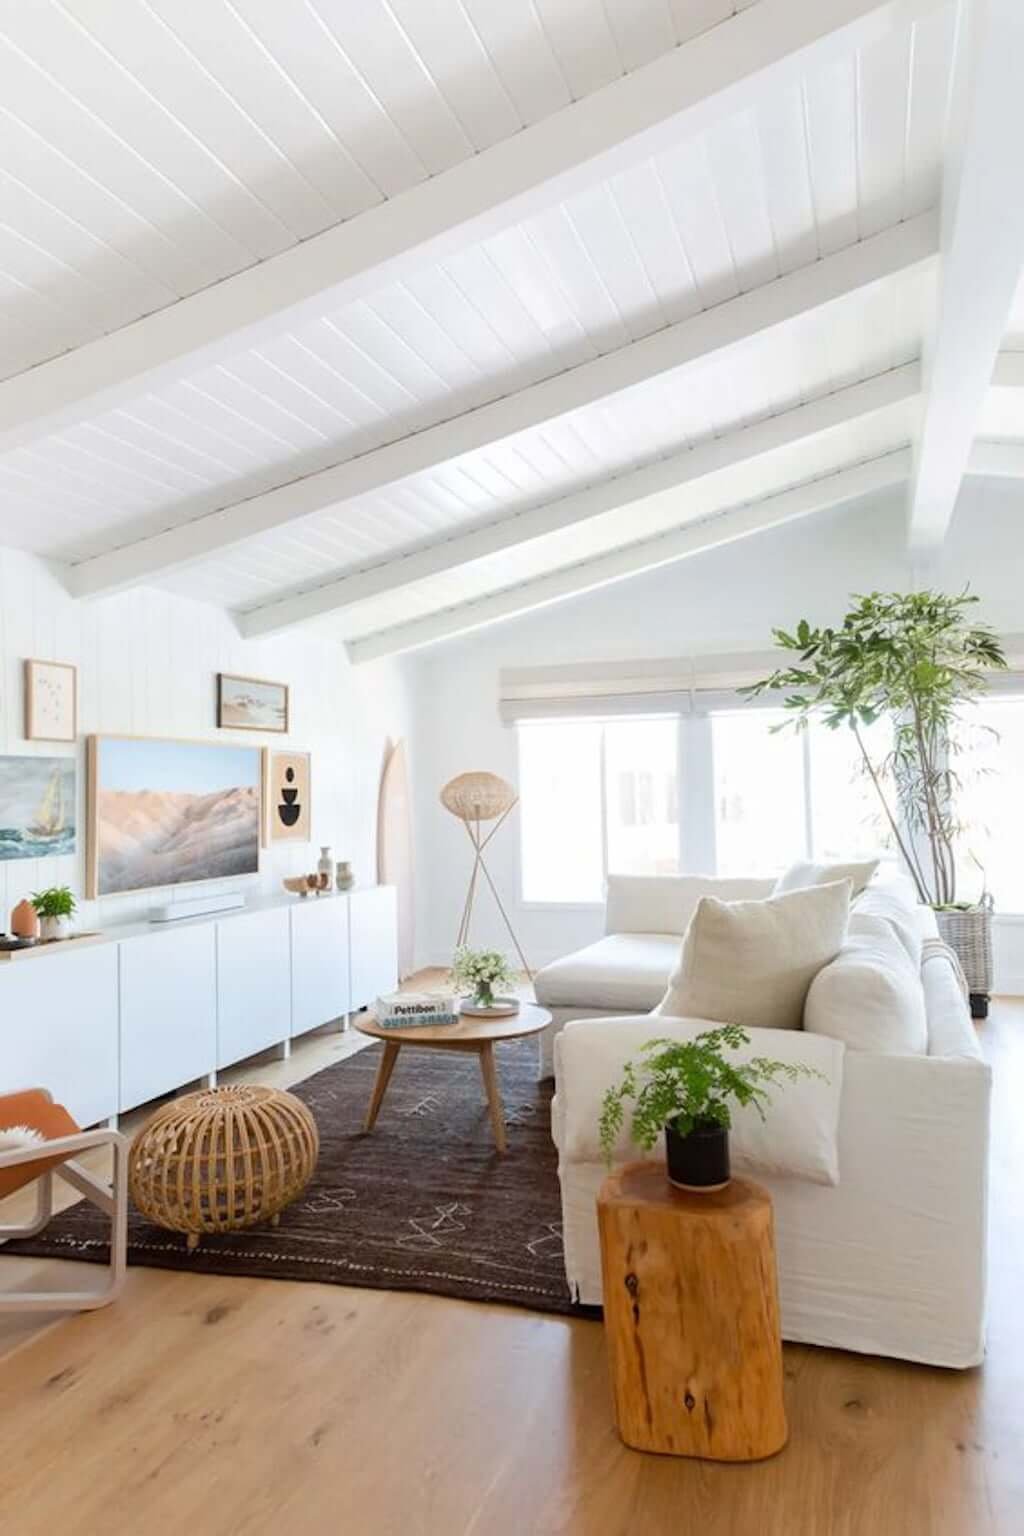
x: 878, y: 1175
x: 627, y: 971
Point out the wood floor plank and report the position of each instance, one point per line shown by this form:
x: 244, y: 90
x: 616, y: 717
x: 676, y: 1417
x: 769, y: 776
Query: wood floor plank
x: 211, y: 1406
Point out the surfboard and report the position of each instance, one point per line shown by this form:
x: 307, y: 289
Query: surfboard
x: 395, y: 851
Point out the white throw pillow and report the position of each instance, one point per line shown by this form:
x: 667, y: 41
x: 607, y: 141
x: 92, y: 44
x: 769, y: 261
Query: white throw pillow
x: 751, y: 962
x: 798, y: 1139
x: 803, y: 874
x: 665, y: 903
x: 870, y: 997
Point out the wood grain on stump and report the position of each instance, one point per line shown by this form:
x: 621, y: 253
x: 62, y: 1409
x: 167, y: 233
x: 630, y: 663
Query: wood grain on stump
x: 691, y: 1316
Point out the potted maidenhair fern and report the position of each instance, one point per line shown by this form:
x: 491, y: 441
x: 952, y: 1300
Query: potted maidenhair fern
x: 686, y: 1088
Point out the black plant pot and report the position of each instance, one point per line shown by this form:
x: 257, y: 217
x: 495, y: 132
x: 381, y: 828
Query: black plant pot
x: 699, y: 1161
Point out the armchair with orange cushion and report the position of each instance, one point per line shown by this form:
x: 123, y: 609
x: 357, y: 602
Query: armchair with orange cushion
x: 36, y: 1162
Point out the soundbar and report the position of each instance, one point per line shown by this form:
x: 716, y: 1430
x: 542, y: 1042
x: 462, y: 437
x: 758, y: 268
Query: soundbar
x: 197, y: 906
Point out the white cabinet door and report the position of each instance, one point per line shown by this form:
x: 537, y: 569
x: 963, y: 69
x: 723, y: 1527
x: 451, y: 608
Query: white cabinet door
x: 319, y: 962
x: 373, y: 944
x: 254, y: 1004
x: 58, y: 1028
x: 168, y: 1011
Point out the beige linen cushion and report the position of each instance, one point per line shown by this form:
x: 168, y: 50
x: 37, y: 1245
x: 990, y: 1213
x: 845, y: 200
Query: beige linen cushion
x: 870, y: 996
x: 751, y: 962
x: 803, y: 874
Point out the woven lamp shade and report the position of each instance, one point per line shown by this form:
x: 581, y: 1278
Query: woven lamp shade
x: 478, y: 796
x: 222, y: 1159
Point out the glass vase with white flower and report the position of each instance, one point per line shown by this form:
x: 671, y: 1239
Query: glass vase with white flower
x: 479, y: 974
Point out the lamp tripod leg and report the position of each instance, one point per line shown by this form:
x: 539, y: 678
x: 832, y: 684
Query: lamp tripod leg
x: 508, y: 922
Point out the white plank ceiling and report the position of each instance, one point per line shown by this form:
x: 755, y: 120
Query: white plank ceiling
x: 151, y: 149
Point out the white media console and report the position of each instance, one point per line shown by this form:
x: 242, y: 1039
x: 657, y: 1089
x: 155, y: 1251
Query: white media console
x: 146, y: 1009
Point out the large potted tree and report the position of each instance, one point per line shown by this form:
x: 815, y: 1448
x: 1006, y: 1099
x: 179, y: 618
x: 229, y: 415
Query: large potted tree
x: 920, y: 660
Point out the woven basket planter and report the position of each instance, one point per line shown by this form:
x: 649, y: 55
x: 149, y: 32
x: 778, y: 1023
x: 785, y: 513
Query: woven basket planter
x: 222, y: 1159
x: 969, y: 934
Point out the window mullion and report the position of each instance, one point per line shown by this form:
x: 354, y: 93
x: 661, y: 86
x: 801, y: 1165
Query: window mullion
x: 604, y: 802
x: 805, y: 737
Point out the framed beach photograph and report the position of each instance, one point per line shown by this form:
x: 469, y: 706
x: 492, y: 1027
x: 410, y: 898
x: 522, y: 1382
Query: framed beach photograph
x: 37, y: 807
x: 287, y: 787
x: 51, y: 701
x: 166, y: 812
x: 251, y: 704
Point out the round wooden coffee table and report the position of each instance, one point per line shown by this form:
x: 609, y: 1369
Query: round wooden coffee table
x: 479, y: 1035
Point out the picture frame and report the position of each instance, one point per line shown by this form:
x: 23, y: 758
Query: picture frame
x: 51, y: 701
x: 38, y: 807
x: 188, y: 789
x: 287, y: 802
x: 252, y: 704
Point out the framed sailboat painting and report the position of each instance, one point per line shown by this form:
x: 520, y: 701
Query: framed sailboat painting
x: 37, y: 807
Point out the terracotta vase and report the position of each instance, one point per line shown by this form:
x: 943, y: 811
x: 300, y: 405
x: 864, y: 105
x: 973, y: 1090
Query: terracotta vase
x: 25, y: 921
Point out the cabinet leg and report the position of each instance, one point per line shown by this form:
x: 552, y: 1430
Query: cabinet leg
x: 494, y: 1104
x: 380, y: 1087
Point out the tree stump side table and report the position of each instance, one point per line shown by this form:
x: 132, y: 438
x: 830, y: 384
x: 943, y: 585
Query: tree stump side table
x: 691, y: 1315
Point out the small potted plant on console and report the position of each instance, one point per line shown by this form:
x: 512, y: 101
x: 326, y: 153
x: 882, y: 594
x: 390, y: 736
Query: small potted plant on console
x: 685, y: 1088
x: 56, y: 909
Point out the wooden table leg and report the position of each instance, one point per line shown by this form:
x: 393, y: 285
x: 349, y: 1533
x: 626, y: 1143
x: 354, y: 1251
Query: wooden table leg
x: 380, y: 1087
x: 494, y: 1103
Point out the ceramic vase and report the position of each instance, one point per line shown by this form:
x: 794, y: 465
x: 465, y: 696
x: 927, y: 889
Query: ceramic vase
x: 325, y: 866
x: 344, y: 878
x: 25, y: 921
x: 55, y: 928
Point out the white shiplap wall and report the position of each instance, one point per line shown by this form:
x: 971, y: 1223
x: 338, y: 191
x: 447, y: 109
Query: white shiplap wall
x: 147, y: 665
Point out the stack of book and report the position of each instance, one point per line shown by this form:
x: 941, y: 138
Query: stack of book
x: 411, y: 1010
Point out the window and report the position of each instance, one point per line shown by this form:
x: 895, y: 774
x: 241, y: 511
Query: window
x: 990, y: 765
x: 597, y: 796
x: 760, y: 821
x: 846, y: 819
x: 600, y: 796
x: 781, y: 796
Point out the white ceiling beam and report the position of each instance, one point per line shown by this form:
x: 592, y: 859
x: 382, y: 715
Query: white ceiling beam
x: 1009, y: 371
x: 659, y: 481
x: 719, y: 72
x: 691, y: 342
x: 981, y: 258
x: 633, y: 559
x: 1002, y: 460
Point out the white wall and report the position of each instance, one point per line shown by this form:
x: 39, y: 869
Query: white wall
x: 147, y: 666
x: 727, y: 599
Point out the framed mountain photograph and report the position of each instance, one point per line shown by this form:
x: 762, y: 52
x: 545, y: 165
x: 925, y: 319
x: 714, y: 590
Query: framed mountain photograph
x: 165, y: 812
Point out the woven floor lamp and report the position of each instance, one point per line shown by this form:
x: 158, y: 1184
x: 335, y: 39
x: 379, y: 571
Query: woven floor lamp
x: 475, y: 799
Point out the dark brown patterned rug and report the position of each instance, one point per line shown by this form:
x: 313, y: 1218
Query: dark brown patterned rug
x: 424, y: 1203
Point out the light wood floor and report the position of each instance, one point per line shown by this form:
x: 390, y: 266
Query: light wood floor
x: 213, y: 1406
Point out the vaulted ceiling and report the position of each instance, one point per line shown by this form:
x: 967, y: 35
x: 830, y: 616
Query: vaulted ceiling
x: 406, y: 316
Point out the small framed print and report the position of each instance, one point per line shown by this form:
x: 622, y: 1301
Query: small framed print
x: 251, y: 704
x: 287, y: 790
x: 51, y: 701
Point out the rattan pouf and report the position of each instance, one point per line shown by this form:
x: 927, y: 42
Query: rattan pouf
x: 222, y: 1159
